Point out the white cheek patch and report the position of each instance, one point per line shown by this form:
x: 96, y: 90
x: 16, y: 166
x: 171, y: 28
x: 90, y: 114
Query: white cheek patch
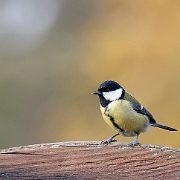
x: 113, y: 95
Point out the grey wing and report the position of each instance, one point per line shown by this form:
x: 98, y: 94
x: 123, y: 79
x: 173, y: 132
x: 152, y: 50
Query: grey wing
x: 139, y: 108
x: 142, y: 110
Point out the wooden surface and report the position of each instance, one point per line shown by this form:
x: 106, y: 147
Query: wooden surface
x: 89, y: 160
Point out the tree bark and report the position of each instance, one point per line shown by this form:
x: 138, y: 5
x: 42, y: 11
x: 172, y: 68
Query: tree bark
x: 89, y: 160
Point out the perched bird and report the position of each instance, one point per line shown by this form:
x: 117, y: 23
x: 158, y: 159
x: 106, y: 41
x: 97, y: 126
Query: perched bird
x: 123, y: 113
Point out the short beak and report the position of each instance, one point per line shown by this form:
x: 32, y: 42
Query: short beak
x: 96, y: 92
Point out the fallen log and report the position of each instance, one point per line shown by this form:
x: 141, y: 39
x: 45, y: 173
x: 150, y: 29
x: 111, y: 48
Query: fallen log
x: 89, y: 160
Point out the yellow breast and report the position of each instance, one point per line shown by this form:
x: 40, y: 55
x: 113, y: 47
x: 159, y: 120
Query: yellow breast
x: 125, y: 117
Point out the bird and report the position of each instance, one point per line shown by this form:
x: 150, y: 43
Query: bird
x: 123, y: 113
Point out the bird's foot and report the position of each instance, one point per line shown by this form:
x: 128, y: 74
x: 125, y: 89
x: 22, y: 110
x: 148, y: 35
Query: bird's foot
x: 108, y: 141
x: 134, y: 143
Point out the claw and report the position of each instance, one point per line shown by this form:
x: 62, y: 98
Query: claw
x: 135, y: 142
x: 108, y: 141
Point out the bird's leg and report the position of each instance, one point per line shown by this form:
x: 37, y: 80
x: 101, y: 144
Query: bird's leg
x: 109, y: 140
x: 135, y: 142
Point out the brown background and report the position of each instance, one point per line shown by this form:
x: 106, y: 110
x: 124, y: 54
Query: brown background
x: 53, y: 54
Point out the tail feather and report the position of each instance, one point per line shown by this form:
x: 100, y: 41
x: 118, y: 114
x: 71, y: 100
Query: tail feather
x: 163, y: 127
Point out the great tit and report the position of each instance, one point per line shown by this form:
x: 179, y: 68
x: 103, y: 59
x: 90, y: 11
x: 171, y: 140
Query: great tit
x: 123, y: 113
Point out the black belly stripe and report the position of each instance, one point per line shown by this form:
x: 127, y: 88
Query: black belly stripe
x: 112, y: 120
x: 136, y: 132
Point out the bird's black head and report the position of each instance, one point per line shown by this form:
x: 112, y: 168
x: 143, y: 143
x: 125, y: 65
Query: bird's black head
x: 109, y: 91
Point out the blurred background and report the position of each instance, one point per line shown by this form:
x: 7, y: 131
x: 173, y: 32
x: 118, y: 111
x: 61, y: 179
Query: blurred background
x: 54, y: 53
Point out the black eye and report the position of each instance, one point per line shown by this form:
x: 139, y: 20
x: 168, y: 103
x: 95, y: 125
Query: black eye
x: 104, y: 90
x: 107, y: 90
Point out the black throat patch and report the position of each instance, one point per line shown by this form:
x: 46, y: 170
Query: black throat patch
x: 103, y: 101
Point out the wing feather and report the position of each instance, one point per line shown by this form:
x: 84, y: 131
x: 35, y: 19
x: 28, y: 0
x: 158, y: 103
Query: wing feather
x: 139, y: 108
